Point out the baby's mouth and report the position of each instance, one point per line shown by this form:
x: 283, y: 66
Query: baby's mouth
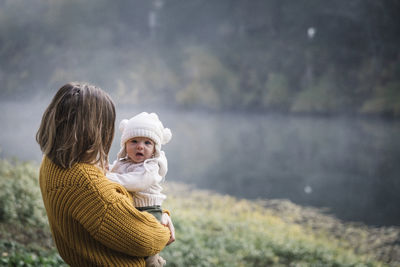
x: 139, y: 154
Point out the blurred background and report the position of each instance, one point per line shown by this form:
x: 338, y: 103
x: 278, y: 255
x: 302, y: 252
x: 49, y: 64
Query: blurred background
x: 265, y: 99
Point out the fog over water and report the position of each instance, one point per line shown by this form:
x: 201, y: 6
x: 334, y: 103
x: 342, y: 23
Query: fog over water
x: 348, y: 165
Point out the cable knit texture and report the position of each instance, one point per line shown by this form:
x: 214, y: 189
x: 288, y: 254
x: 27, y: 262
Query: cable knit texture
x: 93, y: 221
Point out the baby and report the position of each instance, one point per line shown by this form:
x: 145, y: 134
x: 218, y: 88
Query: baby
x: 141, y: 165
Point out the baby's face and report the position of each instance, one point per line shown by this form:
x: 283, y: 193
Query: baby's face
x: 139, y: 149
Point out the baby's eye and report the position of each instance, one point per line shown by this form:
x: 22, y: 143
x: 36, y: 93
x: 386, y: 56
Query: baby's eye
x: 133, y: 141
x: 147, y: 143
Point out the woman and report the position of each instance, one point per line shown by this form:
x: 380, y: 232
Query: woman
x: 92, y: 220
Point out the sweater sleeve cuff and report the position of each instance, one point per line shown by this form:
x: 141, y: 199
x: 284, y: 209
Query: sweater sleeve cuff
x: 167, y: 212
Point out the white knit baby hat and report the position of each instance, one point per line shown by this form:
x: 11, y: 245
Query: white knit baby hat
x: 144, y: 125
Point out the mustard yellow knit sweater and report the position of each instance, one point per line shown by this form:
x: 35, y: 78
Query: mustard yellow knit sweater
x: 93, y: 221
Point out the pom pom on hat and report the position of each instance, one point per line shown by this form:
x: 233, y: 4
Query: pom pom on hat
x: 123, y: 124
x: 167, y: 135
x: 144, y: 125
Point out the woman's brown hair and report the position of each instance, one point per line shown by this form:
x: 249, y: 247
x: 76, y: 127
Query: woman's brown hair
x: 78, y: 126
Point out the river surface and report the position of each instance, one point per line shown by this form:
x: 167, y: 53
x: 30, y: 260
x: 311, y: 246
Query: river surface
x: 349, y: 166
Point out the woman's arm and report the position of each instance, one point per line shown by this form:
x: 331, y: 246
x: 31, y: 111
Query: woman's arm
x: 117, y: 224
x: 139, y: 233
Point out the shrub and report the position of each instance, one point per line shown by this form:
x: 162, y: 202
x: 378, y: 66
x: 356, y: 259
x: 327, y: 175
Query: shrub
x: 20, y: 197
x: 209, y: 83
x: 277, y: 93
x: 385, y: 100
x: 325, y: 96
x: 14, y: 254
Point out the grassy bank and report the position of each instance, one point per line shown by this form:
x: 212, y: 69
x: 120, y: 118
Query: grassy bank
x: 215, y: 230
x: 211, y: 230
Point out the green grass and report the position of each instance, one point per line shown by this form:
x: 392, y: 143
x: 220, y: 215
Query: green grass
x: 215, y: 230
x: 15, y: 254
x: 211, y: 230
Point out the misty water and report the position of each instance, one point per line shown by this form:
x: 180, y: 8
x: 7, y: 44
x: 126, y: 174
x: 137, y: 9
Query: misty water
x: 350, y: 166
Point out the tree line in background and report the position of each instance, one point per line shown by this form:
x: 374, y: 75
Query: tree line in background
x: 303, y: 56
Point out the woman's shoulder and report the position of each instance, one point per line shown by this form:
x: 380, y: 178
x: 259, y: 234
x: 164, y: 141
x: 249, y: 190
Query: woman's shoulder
x: 109, y: 191
x: 89, y: 170
x: 81, y: 176
x: 77, y: 175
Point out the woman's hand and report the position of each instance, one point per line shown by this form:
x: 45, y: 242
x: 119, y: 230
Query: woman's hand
x: 166, y: 220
